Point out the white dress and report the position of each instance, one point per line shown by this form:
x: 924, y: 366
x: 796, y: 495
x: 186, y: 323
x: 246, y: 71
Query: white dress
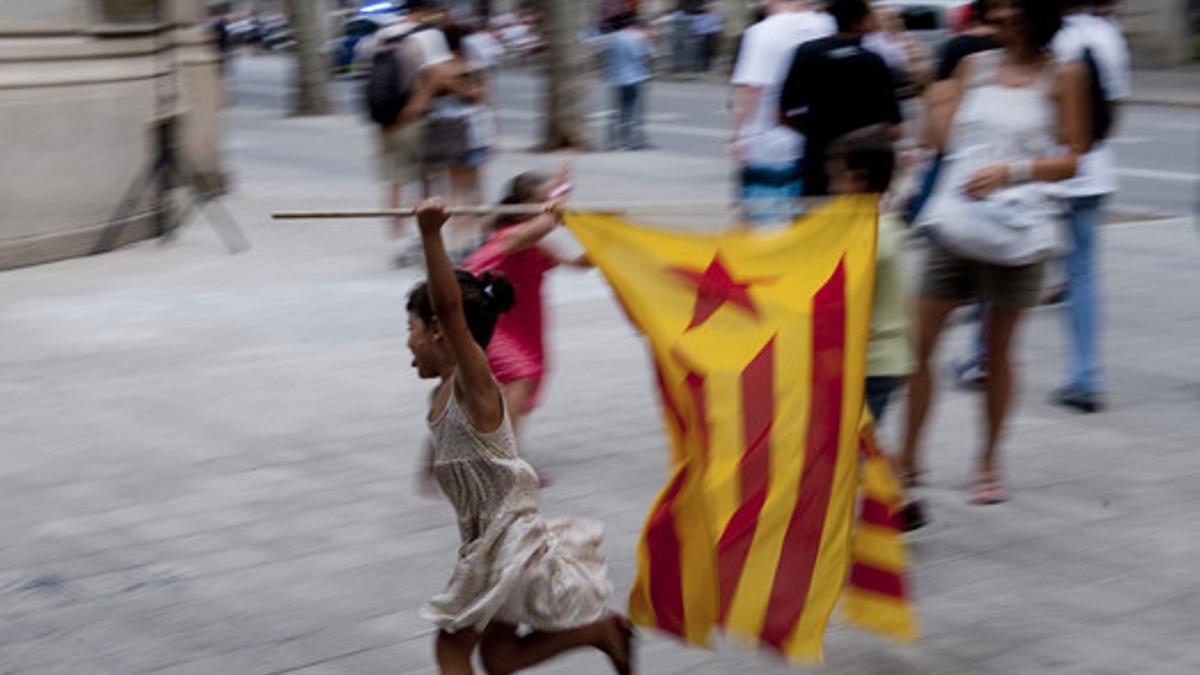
x: 513, y: 566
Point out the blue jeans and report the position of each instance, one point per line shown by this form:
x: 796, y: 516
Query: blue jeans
x: 627, y: 129
x: 979, y: 353
x: 1083, y: 305
x: 928, y: 181
x: 878, y: 393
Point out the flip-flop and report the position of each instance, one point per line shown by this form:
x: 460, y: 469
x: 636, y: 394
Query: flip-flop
x: 988, y: 490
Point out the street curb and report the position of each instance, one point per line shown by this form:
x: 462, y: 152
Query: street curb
x: 1161, y: 102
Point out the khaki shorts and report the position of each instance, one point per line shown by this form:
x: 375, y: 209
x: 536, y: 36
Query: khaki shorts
x: 949, y: 276
x: 401, y: 155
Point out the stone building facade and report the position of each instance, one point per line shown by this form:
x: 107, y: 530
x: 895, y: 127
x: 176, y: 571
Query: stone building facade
x: 81, y: 85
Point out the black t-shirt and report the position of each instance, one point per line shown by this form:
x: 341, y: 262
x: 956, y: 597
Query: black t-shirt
x: 834, y: 87
x: 958, y: 48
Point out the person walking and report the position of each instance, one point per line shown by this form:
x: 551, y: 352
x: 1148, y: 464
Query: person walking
x: 834, y: 86
x: 764, y: 151
x: 980, y: 35
x: 1014, y: 121
x: 1096, y: 43
x: 409, y: 69
x: 707, y: 25
x: 630, y: 58
x: 469, y: 134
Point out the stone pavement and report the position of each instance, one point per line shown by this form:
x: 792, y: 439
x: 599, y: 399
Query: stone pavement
x: 1178, y: 86
x: 207, y: 462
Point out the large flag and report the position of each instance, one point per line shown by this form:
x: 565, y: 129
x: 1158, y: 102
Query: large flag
x: 759, y: 342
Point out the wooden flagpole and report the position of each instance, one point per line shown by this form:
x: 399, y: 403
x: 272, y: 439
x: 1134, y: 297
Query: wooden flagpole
x: 682, y: 208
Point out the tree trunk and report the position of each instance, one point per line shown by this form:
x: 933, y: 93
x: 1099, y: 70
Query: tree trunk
x: 310, y: 90
x: 566, y: 71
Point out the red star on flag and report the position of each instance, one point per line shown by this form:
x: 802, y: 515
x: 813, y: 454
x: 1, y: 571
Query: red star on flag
x: 715, y: 287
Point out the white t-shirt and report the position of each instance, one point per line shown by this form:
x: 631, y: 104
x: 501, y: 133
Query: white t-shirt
x: 430, y: 43
x: 763, y: 62
x: 1097, y: 172
x: 482, y: 50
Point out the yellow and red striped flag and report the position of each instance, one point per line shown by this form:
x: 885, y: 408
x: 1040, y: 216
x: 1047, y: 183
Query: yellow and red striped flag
x: 877, y: 596
x: 759, y: 343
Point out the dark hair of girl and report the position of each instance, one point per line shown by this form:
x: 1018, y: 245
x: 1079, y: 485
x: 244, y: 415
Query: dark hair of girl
x: 1043, y: 19
x: 454, y: 34
x: 979, y: 12
x: 522, y: 189
x: 867, y: 150
x: 485, y: 298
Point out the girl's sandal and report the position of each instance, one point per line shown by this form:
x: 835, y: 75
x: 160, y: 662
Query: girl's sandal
x: 911, y: 478
x: 987, y: 490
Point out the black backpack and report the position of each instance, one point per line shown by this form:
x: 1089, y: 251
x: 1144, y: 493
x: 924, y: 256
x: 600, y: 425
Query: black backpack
x: 1102, y: 112
x: 390, y: 81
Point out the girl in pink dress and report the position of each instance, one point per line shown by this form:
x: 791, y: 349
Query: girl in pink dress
x: 517, y: 352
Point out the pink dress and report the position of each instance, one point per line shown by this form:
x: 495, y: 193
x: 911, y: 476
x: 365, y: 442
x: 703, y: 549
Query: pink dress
x: 517, y: 350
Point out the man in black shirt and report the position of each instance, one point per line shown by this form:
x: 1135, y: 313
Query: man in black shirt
x: 834, y: 87
x: 980, y: 36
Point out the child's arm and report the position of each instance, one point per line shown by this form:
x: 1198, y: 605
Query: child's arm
x: 474, y: 387
x: 580, y: 261
x: 528, y: 233
x: 524, y: 235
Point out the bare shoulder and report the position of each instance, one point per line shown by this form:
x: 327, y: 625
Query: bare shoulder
x: 1069, y: 76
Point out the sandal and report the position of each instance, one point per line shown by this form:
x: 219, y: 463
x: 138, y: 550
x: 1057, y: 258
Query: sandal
x: 911, y: 478
x: 988, y: 490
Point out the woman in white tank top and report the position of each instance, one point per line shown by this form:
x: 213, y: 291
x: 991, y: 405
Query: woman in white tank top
x: 1012, y: 120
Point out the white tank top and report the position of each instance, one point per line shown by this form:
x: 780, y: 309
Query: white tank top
x: 996, y: 124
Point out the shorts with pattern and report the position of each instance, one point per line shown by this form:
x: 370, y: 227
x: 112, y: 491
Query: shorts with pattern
x: 401, y: 155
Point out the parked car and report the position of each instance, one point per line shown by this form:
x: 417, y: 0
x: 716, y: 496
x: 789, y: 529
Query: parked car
x: 931, y: 21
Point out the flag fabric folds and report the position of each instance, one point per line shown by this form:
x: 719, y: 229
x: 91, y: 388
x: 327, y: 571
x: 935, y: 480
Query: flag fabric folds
x: 759, y: 346
x: 877, y: 596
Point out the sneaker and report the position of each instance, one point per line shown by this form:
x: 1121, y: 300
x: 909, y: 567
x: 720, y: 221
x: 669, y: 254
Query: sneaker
x: 1082, y: 401
x: 970, y: 374
x: 1056, y: 295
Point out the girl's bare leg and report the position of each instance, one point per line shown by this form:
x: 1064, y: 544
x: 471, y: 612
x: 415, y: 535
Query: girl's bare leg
x: 931, y: 318
x: 453, y: 651
x: 516, y: 396
x: 504, y: 652
x: 1002, y: 326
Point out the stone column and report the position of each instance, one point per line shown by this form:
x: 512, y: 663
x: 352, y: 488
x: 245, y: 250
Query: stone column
x: 204, y: 92
x: 1158, y: 32
x: 78, y: 98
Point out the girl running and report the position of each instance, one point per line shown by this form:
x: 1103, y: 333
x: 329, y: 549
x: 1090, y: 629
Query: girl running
x: 517, y: 351
x: 514, y: 569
